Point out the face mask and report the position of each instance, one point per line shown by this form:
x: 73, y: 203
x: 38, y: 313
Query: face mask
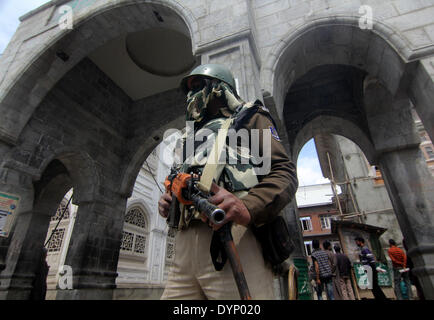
x: 197, y: 100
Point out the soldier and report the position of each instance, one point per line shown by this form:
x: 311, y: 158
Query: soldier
x: 249, y: 200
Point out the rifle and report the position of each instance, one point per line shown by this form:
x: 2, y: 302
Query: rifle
x: 183, y: 187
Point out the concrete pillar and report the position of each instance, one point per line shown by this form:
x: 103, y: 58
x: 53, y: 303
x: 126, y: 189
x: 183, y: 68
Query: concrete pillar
x: 411, y: 188
x: 408, y: 180
x: 25, y: 244
x: 94, y: 249
x: 20, y: 251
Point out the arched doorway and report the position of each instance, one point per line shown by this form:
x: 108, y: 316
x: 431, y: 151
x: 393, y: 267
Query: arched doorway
x: 331, y: 77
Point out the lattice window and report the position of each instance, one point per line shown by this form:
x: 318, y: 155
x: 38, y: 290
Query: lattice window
x: 134, y: 237
x: 127, y: 241
x: 59, y: 212
x: 56, y: 240
x: 140, y: 244
x: 170, y: 251
x: 136, y: 218
x: 171, y: 233
x: 170, y: 245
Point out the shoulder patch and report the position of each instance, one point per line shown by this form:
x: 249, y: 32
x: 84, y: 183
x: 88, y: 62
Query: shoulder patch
x: 274, y: 133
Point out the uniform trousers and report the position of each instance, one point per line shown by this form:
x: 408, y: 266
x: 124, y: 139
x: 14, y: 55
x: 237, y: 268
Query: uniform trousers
x: 192, y: 275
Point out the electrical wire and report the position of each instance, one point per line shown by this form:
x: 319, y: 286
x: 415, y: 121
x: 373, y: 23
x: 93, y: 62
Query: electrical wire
x: 155, y: 180
x: 60, y: 219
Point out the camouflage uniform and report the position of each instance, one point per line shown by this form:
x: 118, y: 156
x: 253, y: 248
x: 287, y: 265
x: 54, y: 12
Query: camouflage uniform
x: 192, y: 275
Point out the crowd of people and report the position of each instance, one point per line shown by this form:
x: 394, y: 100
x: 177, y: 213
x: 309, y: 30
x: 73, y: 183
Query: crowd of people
x: 331, y: 272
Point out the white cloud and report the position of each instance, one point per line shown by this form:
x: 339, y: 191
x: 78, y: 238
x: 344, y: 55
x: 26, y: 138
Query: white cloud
x: 10, y: 11
x: 309, y: 171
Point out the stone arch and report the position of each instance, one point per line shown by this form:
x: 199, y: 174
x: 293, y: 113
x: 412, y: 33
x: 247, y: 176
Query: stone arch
x: 25, y: 251
x: 83, y: 174
x: 44, y: 68
x: 333, y: 125
x: 50, y: 189
x: 381, y: 52
x: 145, y: 145
x: 383, y: 127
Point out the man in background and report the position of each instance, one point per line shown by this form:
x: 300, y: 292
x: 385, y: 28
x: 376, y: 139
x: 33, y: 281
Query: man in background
x: 367, y: 258
x: 399, y: 263
x: 344, y: 271
x: 333, y: 264
x: 323, y: 271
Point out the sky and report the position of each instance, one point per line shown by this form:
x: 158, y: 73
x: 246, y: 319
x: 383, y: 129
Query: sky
x: 308, y: 168
x: 10, y: 11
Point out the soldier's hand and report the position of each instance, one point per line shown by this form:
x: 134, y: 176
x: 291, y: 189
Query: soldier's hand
x: 164, y: 204
x: 235, y: 209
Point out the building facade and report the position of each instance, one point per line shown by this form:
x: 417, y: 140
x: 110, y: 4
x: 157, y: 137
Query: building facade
x: 426, y: 145
x: 85, y: 99
x: 315, y: 218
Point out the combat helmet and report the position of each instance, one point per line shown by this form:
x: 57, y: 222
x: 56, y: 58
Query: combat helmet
x: 216, y: 71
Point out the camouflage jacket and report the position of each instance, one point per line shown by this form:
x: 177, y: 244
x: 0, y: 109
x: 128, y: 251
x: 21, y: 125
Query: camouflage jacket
x: 263, y: 195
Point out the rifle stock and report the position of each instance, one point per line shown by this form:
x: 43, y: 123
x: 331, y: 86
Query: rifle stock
x: 234, y: 260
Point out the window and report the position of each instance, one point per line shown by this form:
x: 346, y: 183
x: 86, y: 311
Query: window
x: 62, y: 207
x: 429, y: 151
x: 56, y: 240
x: 325, y: 221
x: 378, y: 180
x: 136, y: 218
x: 170, y: 245
x: 134, y: 235
x: 306, y: 223
x: 423, y: 136
x: 139, y: 244
x: 308, y: 247
x: 127, y: 241
x: 170, y: 251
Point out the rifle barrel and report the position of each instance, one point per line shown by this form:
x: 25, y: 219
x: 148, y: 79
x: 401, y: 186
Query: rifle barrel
x: 214, y: 213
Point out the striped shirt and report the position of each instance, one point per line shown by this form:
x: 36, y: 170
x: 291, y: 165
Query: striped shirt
x: 398, y: 257
x: 322, y: 258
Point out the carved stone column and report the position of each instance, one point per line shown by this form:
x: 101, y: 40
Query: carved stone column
x: 409, y: 183
x: 20, y: 250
